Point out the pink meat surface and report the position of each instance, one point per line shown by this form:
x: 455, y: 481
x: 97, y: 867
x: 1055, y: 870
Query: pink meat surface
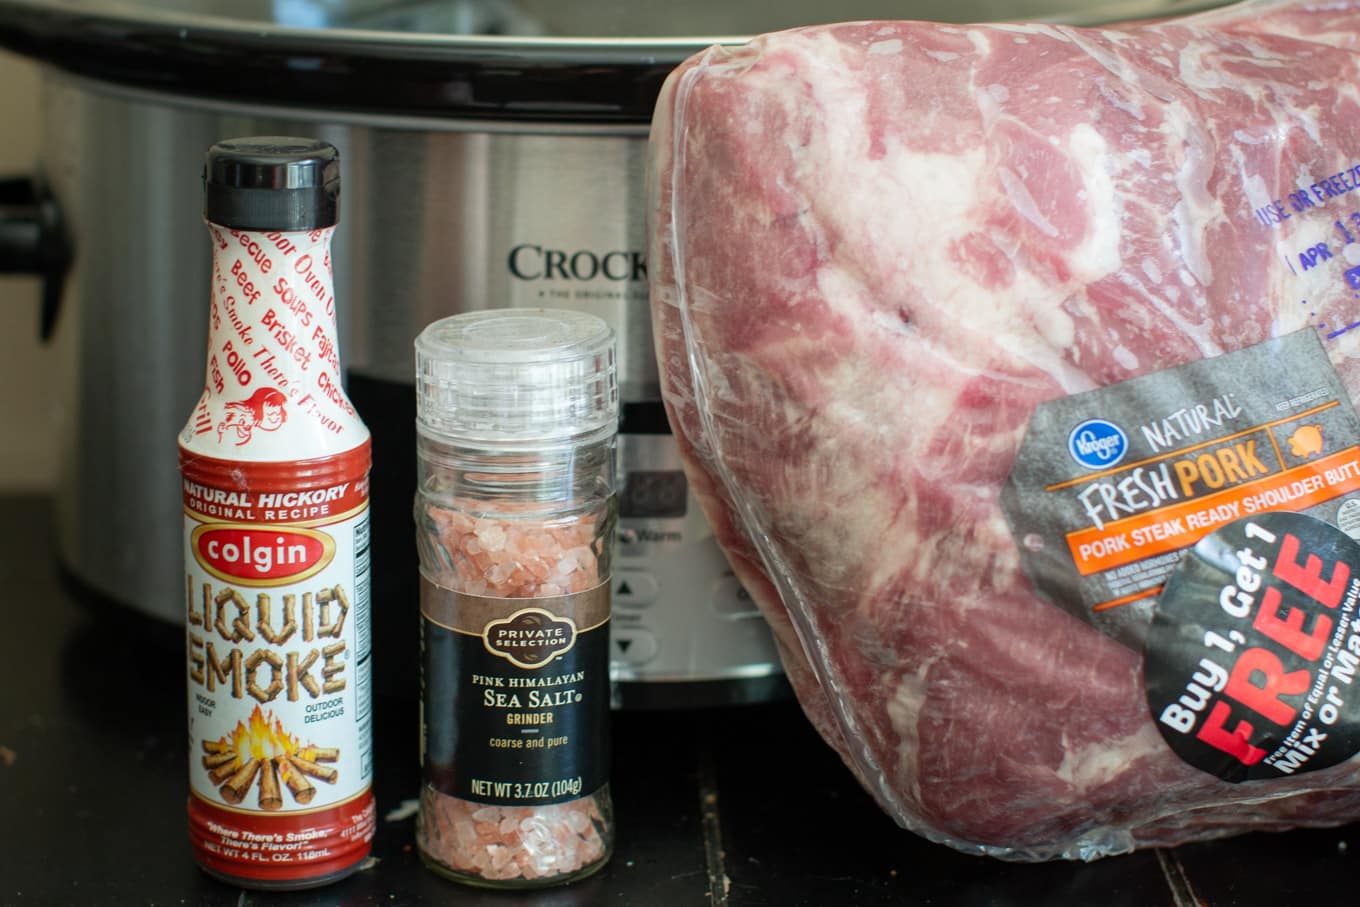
x: 877, y: 247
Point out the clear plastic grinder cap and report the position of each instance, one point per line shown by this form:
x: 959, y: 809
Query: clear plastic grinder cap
x: 517, y: 375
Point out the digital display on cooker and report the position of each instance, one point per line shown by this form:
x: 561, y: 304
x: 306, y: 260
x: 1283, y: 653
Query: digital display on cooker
x: 650, y: 494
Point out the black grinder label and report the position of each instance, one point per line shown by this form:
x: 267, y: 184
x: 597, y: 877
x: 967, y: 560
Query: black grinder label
x: 515, y: 698
x: 1252, y: 654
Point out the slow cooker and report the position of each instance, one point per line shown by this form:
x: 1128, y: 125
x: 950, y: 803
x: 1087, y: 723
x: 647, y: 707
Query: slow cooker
x: 494, y: 154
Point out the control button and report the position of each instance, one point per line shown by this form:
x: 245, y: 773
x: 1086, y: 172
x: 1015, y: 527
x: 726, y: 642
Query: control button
x: 628, y: 541
x: 731, y: 600
x: 634, y: 589
x: 633, y: 646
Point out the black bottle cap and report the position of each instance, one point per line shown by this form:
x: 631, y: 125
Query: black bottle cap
x: 272, y: 183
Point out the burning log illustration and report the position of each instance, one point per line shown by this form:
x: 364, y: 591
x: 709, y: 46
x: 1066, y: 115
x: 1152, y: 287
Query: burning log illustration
x: 270, y: 797
x: 260, y: 753
x: 221, y: 773
x: 301, y: 789
x: 320, y: 772
x: 234, y: 791
x: 216, y: 760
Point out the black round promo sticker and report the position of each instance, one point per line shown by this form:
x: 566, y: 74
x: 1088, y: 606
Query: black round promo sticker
x: 1251, y: 661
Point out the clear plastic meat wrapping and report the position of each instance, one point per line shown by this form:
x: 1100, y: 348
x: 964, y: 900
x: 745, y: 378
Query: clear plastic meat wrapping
x: 1014, y: 367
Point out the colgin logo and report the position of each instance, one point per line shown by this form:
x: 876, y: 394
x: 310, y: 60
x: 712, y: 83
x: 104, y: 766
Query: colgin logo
x: 528, y: 261
x: 1097, y: 444
x: 261, y: 555
x: 530, y: 638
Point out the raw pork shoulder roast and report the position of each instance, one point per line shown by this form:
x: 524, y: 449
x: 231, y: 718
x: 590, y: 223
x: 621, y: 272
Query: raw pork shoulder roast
x: 881, y: 251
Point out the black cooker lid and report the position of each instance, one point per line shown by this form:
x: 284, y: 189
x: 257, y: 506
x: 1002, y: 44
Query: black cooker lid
x: 577, y: 61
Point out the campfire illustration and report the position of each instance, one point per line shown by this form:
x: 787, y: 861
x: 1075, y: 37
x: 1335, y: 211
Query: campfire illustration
x: 260, y: 753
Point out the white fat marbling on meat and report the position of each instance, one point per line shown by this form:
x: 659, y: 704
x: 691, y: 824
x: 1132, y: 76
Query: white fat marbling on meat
x: 1088, y: 765
x: 1303, y: 181
x: 1140, y: 156
x: 886, y: 48
x: 1197, y: 209
x: 930, y: 192
x: 1120, y: 98
x: 1306, y: 119
x: 923, y: 185
x: 1258, y: 196
x: 980, y: 41
x: 889, y: 322
x: 903, y: 710
x: 1265, y: 137
x: 1023, y: 30
x: 1125, y: 357
x: 1194, y: 73
x: 1099, y: 252
x: 1104, y: 56
x: 1151, y: 269
x: 1023, y: 202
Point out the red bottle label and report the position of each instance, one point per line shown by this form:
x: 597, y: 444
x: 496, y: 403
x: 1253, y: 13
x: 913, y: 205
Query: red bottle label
x: 278, y: 644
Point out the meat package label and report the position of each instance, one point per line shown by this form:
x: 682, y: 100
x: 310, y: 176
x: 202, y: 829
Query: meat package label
x: 1112, y: 486
x: 1251, y: 659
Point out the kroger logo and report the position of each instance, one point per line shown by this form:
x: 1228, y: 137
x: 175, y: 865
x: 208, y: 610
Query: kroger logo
x: 1097, y: 444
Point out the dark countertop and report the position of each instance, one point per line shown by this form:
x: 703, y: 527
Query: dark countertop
x: 740, y: 806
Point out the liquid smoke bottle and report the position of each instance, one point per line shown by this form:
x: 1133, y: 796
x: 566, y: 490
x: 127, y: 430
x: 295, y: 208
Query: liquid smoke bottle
x: 274, y: 463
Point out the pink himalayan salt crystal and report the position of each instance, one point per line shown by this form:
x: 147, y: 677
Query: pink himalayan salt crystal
x: 510, y: 558
x: 511, y: 842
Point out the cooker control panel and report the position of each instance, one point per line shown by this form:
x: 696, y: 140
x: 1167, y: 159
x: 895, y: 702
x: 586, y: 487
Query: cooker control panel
x: 678, y: 612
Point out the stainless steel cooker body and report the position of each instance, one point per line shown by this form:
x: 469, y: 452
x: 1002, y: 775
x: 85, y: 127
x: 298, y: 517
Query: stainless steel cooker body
x: 436, y: 218
x: 494, y: 154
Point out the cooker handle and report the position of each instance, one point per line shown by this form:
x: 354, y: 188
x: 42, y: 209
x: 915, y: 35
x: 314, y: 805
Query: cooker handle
x: 33, y: 240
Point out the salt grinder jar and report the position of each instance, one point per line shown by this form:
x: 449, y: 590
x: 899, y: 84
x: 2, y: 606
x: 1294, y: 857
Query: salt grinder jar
x: 517, y: 414
x: 274, y: 463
